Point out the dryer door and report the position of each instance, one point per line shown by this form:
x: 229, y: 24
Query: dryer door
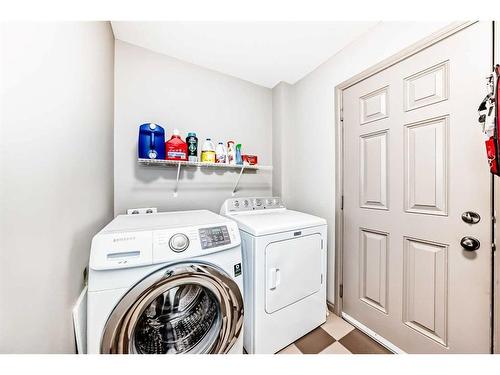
x: 293, y: 271
x: 186, y: 308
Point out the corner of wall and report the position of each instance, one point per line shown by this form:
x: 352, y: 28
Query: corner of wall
x: 281, y: 108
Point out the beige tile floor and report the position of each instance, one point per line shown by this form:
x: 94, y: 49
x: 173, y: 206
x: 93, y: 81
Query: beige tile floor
x: 335, y: 336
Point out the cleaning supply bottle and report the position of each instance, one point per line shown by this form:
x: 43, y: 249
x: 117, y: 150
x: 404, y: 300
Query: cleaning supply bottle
x: 176, y: 148
x: 231, y: 153
x: 220, y: 153
x: 239, y: 159
x: 192, y: 143
x: 151, y: 143
x: 208, y: 151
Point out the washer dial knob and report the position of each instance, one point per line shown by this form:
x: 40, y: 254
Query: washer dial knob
x: 179, y: 242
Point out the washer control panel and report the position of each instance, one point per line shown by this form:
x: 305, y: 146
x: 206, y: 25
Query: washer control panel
x: 197, y: 240
x: 214, y: 236
x: 250, y: 204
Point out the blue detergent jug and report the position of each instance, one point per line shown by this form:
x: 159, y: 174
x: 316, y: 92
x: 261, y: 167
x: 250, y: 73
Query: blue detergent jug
x: 151, y: 141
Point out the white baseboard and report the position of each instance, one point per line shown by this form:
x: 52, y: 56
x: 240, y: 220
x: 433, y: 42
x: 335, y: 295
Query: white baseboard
x: 382, y: 341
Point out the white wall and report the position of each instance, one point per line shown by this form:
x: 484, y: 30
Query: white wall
x: 282, y: 107
x: 308, y: 177
x: 56, y: 174
x: 151, y: 87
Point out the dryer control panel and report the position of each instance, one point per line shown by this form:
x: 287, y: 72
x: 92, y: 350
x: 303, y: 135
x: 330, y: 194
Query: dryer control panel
x: 251, y: 204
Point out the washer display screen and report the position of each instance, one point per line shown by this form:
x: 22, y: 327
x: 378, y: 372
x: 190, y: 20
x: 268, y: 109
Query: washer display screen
x: 215, y: 236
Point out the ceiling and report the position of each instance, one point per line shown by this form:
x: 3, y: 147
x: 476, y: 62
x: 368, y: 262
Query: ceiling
x: 264, y: 53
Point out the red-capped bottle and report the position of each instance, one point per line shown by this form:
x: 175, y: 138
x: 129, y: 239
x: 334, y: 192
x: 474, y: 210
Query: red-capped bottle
x: 176, y: 148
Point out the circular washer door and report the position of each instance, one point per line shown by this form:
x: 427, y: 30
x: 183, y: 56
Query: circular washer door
x: 186, y: 308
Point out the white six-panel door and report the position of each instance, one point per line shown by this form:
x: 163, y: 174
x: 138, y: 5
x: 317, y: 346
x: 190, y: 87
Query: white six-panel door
x: 414, y: 161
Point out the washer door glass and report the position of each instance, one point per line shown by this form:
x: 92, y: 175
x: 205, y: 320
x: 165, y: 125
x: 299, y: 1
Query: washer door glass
x: 186, y: 318
x: 187, y: 308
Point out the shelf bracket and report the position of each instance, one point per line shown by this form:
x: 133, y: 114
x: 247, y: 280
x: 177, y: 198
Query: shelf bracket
x: 238, y: 180
x: 177, y: 181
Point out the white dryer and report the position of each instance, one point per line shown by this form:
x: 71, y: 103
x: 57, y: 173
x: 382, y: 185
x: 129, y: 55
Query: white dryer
x: 166, y: 283
x: 284, y: 258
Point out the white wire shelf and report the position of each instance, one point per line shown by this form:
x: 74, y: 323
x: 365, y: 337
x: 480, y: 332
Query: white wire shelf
x: 175, y: 163
x: 179, y: 164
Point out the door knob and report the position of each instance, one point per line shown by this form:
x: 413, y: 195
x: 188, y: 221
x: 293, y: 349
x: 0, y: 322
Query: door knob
x: 471, y: 217
x: 470, y: 243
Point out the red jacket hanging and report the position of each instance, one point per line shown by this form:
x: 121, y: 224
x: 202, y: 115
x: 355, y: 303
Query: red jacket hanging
x: 489, y: 115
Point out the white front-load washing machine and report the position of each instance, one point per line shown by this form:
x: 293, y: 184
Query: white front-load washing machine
x: 166, y: 283
x: 284, y: 258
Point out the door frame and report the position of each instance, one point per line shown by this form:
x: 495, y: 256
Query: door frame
x: 413, y: 49
x: 496, y: 208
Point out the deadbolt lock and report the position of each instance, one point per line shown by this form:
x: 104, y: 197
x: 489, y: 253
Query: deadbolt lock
x: 471, y: 217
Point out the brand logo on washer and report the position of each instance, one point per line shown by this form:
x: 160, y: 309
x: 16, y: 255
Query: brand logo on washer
x: 121, y: 239
x: 237, y: 269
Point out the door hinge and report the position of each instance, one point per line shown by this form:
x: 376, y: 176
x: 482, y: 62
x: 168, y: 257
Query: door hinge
x: 341, y: 115
x: 493, y: 247
x: 341, y: 291
x: 342, y: 202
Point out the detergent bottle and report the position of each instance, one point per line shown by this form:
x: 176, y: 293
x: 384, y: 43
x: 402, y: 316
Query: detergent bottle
x: 192, y: 142
x: 208, y: 151
x: 221, y: 154
x: 239, y: 158
x: 176, y: 148
x: 151, y: 141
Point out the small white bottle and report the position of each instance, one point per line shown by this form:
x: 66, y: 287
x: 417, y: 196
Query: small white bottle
x: 231, y: 153
x: 221, y: 153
